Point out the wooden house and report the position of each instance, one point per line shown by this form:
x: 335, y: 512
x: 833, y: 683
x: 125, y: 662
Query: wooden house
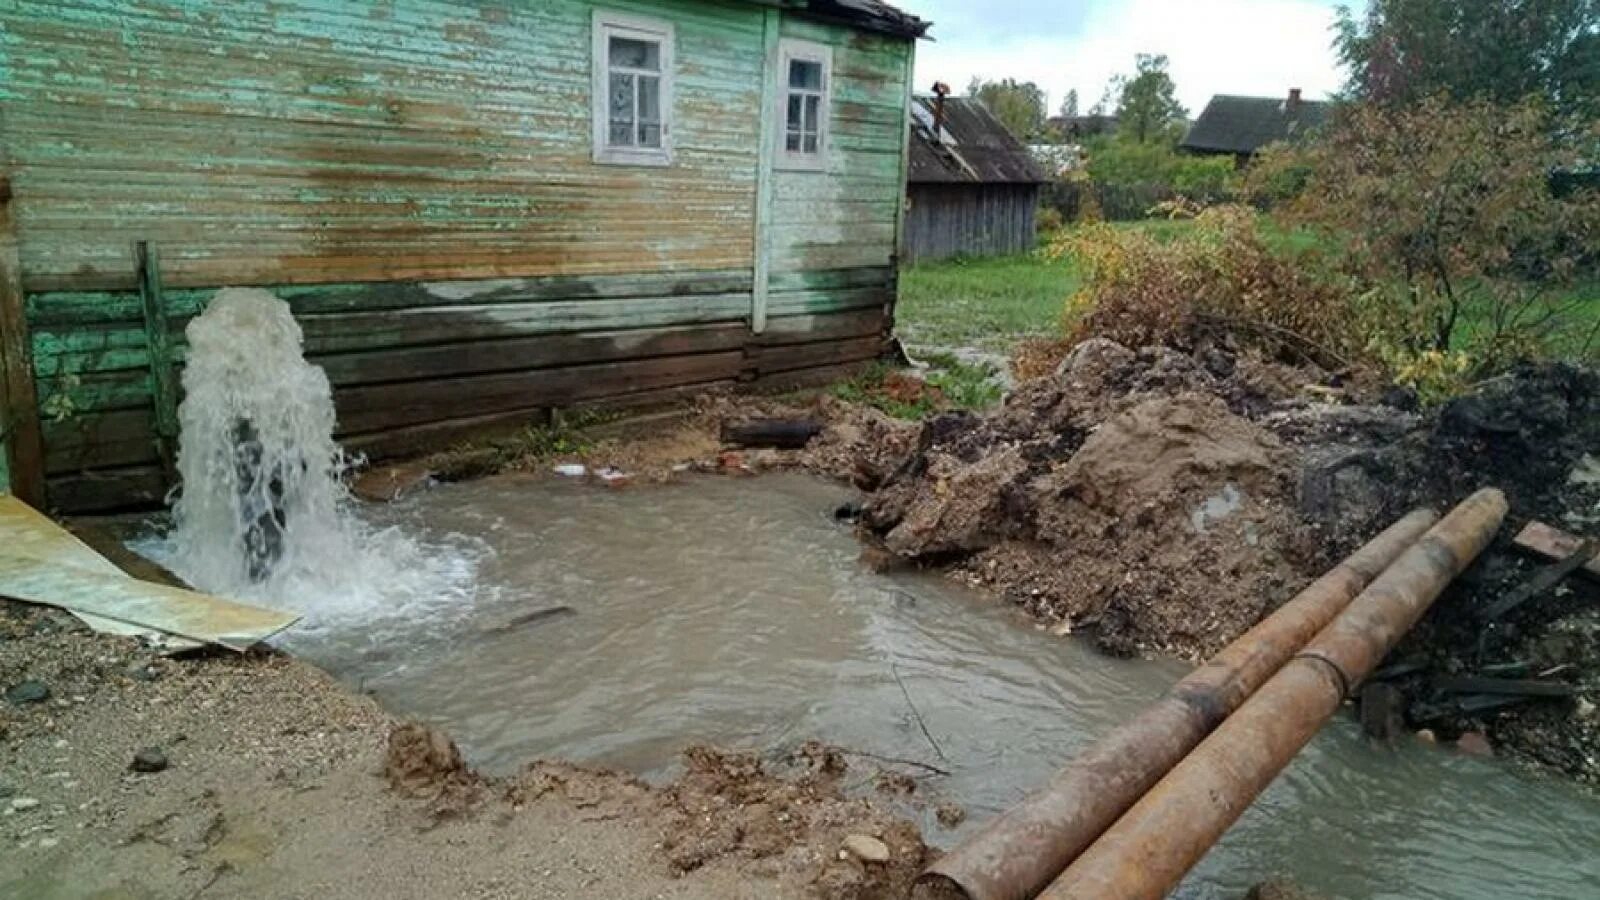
x: 479, y: 210
x: 972, y: 187
x: 1241, y: 126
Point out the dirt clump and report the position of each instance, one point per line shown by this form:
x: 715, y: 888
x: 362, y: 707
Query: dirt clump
x: 425, y: 763
x: 1117, y: 495
x: 727, y: 804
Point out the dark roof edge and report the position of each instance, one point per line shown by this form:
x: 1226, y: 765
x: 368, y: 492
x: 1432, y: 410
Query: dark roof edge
x: 862, y: 15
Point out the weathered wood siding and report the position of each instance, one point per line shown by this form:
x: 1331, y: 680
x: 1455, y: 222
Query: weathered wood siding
x: 944, y: 220
x: 415, y: 178
x: 845, y: 217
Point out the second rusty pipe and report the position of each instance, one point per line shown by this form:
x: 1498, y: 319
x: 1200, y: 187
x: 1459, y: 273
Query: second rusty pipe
x: 1148, y: 851
x: 1017, y: 854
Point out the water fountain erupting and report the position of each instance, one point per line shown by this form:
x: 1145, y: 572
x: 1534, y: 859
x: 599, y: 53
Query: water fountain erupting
x: 263, y: 513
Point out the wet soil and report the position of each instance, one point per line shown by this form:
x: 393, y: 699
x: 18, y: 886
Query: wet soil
x: 264, y: 777
x: 1164, y: 501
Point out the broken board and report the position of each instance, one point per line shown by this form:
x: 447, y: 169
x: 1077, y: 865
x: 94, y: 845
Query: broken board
x: 41, y: 562
x: 1553, y: 543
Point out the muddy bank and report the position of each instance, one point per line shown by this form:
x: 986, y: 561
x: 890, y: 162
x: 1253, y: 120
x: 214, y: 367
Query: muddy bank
x: 130, y: 776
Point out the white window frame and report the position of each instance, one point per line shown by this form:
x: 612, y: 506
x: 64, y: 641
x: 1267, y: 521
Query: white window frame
x: 805, y: 51
x: 609, y: 24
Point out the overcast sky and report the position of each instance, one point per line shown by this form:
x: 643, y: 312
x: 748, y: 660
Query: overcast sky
x: 1256, y: 47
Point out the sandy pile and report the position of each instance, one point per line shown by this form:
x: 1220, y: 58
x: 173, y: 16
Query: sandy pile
x: 1129, y: 493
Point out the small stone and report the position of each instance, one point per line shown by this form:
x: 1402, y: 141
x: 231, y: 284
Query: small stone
x: 950, y: 815
x: 867, y: 848
x: 48, y: 842
x: 1474, y: 743
x: 23, y: 804
x: 143, y: 671
x: 1586, y: 709
x: 30, y: 691
x: 150, y: 759
x: 1427, y: 736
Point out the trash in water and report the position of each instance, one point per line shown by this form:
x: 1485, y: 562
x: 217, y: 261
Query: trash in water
x: 572, y: 470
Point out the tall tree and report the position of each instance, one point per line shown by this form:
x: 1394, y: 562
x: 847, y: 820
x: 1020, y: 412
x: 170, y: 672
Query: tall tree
x: 1147, y: 106
x: 1103, y: 105
x: 1069, y: 104
x: 1503, y: 50
x: 1020, y: 106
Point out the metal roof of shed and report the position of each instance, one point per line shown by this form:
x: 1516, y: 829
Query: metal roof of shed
x: 971, y: 146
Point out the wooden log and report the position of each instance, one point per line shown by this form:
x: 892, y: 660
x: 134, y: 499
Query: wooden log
x: 529, y: 618
x: 1553, y: 543
x: 786, y: 433
x: 1516, y: 687
x: 20, y: 437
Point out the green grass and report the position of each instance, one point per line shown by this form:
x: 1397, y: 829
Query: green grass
x: 961, y: 385
x: 991, y: 303
x: 985, y: 303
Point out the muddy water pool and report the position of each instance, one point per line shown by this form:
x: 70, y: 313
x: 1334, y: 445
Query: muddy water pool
x: 734, y: 611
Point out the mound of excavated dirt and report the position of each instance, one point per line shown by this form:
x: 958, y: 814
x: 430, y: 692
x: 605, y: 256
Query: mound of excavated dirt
x: 1167, y: 502
x: 1120, y: 494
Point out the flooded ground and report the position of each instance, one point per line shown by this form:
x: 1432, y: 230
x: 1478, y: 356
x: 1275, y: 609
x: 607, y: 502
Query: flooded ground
x: 733, y: 611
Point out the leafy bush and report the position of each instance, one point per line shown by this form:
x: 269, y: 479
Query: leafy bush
x: 1445, y: 214
x: 1219, y: 275
x: 1119, y: 161
x: 1048, y: 220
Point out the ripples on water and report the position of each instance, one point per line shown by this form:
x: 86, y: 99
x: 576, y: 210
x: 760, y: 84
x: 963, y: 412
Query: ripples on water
x: 733, y: 611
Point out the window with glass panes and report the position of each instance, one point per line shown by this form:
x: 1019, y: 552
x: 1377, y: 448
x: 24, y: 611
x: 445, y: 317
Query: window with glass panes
x: 805, y: 70
x: 633, y: 90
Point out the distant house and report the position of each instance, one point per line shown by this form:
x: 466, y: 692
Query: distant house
x: 972, y: 187
x: 1240, y: 126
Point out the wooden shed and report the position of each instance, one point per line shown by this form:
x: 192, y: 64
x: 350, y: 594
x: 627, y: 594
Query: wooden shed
x: 479, y: 210
x: 973, y: 188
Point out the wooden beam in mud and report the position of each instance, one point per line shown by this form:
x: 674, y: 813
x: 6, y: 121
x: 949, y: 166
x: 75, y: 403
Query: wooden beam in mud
x: 20, y: 437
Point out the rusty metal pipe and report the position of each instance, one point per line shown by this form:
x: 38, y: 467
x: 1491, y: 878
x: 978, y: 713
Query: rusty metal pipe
x: 1017, y: 854
x: 1148, y: 851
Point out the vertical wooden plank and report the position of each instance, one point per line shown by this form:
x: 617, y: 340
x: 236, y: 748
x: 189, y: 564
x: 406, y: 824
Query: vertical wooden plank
x: 768, y: 150
x: 163, y: 379
x: 19, y: 402
x: 905, y: 140
x: 900, y: 208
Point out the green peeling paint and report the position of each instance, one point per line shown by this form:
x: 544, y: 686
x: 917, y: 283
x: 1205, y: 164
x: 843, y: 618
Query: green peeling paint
x: 420, y: 178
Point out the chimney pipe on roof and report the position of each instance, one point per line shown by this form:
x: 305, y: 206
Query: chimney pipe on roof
x: 940, y: 91
x: 1294, y: 99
